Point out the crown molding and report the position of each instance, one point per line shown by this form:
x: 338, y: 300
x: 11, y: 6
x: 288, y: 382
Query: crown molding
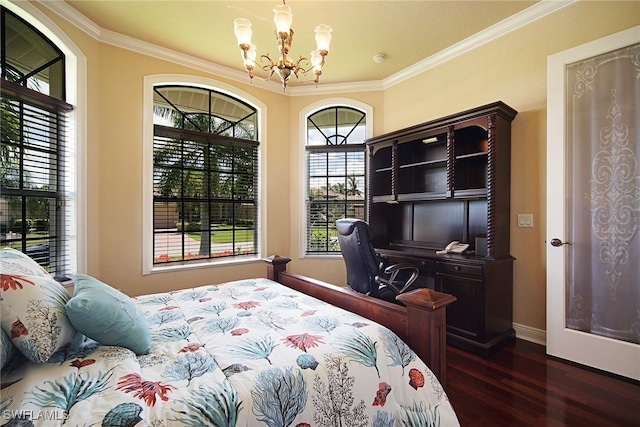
x: 538, y: 11
x: 102, y: 35
x: 519, y: 20
x: 71, y: 15
x: 169, y: 55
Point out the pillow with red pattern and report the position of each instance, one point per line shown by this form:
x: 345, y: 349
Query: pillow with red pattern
x: 32, y: 310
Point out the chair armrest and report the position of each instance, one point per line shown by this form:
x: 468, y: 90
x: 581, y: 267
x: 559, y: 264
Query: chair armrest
x: 393, y: 271
x: 401, y: 266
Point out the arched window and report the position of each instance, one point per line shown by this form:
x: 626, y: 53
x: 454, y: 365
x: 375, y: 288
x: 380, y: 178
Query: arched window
x: 335, y: 155
x: 205, y: 176
x: 37, y: 194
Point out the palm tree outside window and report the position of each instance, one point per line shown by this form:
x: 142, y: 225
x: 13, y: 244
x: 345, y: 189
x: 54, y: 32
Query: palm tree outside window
x: 335, y: 153
x: 205, y: 176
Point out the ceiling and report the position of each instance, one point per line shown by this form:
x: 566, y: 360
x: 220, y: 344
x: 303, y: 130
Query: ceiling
x: 406, y: 31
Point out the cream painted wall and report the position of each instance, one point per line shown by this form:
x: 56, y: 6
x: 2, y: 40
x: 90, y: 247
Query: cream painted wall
x: 511, y: 69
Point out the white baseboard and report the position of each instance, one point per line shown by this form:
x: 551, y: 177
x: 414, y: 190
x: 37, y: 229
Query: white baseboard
x: 527, y: 333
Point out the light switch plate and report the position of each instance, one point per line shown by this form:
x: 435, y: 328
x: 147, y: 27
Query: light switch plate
x: 525, y: 220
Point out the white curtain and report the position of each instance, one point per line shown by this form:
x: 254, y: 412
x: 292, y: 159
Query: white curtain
x: 603, y: 130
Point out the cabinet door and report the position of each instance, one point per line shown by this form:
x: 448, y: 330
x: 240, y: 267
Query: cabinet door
x: 465, y: 317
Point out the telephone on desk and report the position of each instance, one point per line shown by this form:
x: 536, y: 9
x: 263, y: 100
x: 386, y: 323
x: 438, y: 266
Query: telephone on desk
x: 454, y: 247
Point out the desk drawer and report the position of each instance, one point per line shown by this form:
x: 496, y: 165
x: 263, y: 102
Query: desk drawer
x: 467, y: 270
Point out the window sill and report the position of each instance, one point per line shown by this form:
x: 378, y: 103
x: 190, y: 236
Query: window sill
x: 328, y: 255
x: 186, y: 266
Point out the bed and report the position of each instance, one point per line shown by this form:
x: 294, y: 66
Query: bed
x: 248, y: 352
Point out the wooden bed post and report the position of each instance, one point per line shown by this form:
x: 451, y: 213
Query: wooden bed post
x: 276, y: 264
x: 425, y: 312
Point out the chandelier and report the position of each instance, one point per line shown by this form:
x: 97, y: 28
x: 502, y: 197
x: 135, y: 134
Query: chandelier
x: 284, y: 67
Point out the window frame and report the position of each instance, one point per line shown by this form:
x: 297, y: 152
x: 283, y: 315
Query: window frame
x: 303, y: 120
x: 75, y: 66
x: 150, y: 82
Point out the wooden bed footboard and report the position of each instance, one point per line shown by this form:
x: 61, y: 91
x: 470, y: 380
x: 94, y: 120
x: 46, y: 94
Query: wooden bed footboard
x: 421, y: 322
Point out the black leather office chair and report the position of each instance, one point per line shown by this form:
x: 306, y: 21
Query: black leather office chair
x: 365, y: 273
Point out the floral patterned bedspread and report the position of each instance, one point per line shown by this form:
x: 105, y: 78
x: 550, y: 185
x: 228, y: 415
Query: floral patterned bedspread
x: 246, y: 353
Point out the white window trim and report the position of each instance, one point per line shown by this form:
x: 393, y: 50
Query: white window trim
x: 76, y: 95
x: 147, y: 169
x: 302, y: 160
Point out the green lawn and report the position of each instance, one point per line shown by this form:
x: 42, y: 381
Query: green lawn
x: 224, y: 234
x: 40, y: 238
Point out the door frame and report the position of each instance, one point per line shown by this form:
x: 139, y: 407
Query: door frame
x: 619, y: 357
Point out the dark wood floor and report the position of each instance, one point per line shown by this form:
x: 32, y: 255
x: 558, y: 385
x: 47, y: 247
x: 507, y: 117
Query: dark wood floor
x: 521, y: 386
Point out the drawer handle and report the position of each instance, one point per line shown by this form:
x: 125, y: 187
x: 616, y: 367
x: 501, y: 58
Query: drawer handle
x: 456, y: 268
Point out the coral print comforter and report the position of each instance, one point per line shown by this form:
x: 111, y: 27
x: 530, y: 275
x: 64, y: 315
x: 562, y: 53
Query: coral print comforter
x: 244, y: 353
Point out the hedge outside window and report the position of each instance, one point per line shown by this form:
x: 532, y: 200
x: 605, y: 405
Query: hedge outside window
x: 335, y: 152
x: 205, y: 176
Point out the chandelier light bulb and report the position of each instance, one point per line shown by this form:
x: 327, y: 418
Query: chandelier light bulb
x: 316, y: 60
x: 323, y: 37
x: 242, y: 30
x: 282, y: 17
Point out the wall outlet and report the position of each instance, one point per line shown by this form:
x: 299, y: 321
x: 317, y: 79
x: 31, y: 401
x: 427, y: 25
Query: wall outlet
x: 525, y: 220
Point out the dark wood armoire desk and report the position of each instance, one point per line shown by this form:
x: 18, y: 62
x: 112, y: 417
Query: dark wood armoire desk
x: 443, y: 180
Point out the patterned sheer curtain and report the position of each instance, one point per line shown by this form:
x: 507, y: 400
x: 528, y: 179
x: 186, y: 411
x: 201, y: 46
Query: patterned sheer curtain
x: 603, y: 118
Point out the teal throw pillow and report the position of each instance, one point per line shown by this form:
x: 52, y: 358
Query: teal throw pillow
x: 107, y: 316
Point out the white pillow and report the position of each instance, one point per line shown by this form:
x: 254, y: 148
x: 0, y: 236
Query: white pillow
x: 13, y: 261
x: 32, y: 308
